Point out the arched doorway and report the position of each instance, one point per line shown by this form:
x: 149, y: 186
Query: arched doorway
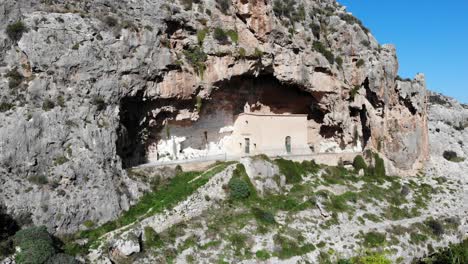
x: 287, y: 143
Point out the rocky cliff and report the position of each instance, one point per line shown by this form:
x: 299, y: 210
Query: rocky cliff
x: 87, y: 86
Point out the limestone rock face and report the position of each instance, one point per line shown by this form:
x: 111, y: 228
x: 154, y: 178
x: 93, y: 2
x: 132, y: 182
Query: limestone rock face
x: 87, y: 83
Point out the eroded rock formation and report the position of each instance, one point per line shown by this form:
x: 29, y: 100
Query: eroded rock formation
x: 90, y: 86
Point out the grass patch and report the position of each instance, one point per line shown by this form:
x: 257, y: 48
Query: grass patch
x: 373, y: 239
x: 177, y: 190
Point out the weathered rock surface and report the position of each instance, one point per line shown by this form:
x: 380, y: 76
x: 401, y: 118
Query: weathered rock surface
x: 94, y: 78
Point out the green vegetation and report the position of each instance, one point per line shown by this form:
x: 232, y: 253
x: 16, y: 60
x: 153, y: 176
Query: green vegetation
x: 48, y: 105
x: 360, y: 63
x: 201, y: 35
x: 16, y: 30
x: 241, y: 53
x: 88, y: 223
x: 177, y: 190
x: 5, y: 106
x: 14, y: 78
x: 220, y: 35
x: 152, y: 239
x: 339, y: 61
x: 263, y: 216
x: 60, y: 160
x: 38, y: 179
x: 319, y: 47
x: 289, y: 247
x: 258, y: 53
x: 240, y: 186
x: 198, y: 103
x: 111, y: 21
x: 36, y: 245
x: 197, y: 57
x: 262, y: 254
x: 452, y: 156
x: 293, y: 171
x: 99, y: 102
x: 374, y: 239
x: 233, y: 35
x: 287, y: 9
x: 353, y: 20
x: 359, y: 163
x: 239, y: 189
x: 454, y: 254
x: 353, y: 92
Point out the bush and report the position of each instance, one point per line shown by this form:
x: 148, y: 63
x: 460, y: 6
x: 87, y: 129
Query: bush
x: 220, y: 35
x: 360, y: 63
x: 374, y: 239
x: 201, y: 35
x: 15, y: 31
x: 379, y: 170
x: 38, y: 179
x: 241, y: 53
x: 14, y: 78
x: 99, y: 102
x: 152, y: 239
x: 318, y: 47
x: 262, y: 254
x: 454, y: 254
x: 111, y: 21
x: 291, y: 170
x: 88, y: 223
x: 239, y: 189
x: 452, y: 156
x: 258, y: 53
x: 359, y: 163
x: 48, y: 105
x: 233, y: 35
x: 263, y: 216
x: 436, y: 227
x: 5, y: 106
x: 36, y: 245
x: 197, y: 57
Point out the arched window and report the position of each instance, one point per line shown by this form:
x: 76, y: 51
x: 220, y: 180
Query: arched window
x: 287, y: 143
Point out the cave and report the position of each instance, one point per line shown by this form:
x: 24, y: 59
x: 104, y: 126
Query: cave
x: 162, y: 129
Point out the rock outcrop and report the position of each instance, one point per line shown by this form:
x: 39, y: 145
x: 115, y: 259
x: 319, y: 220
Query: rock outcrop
x: 88, y: 85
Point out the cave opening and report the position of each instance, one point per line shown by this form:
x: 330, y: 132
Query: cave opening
x: 164, y: 129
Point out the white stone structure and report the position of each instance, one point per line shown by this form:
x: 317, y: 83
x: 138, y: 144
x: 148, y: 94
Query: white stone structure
x: 270, y: 134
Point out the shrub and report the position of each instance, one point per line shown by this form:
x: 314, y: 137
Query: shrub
x: 14, y: 78
x: 452, y: 156
x: 263, y: 216
x: 48, y: 105
x: 454, y: 254
x: 36, y: 245
x: 379, y: 170
x: 373, y: 258
x: 198, y: 103
x: 284, y: 8
x: 224, y: 5
x: 201, y: 35
x: 15, y: 30
x: 233, y: 35
x: 360, y: 63
x: 88, y: 223
x: 111, y: 21
x: 99, y: 102
x: 5, y: 106
x: 262, y: 254
x: 152, y: 239
x: 353, y: 20
x: 359, y: 163
x: 318, y: 47
x: 197, y: 57
x: 38, y: 179
x: 241, y: 53
x: 220, y: 35
x: 339, y: 61
x: 258, y: 53
x: 374, y: 239
x: 353, y: 92
x: 239, y: 189
x: 291, y: 170
x: 436, y: 227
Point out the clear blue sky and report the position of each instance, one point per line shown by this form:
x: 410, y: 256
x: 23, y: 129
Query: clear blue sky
x: 430, y: 36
